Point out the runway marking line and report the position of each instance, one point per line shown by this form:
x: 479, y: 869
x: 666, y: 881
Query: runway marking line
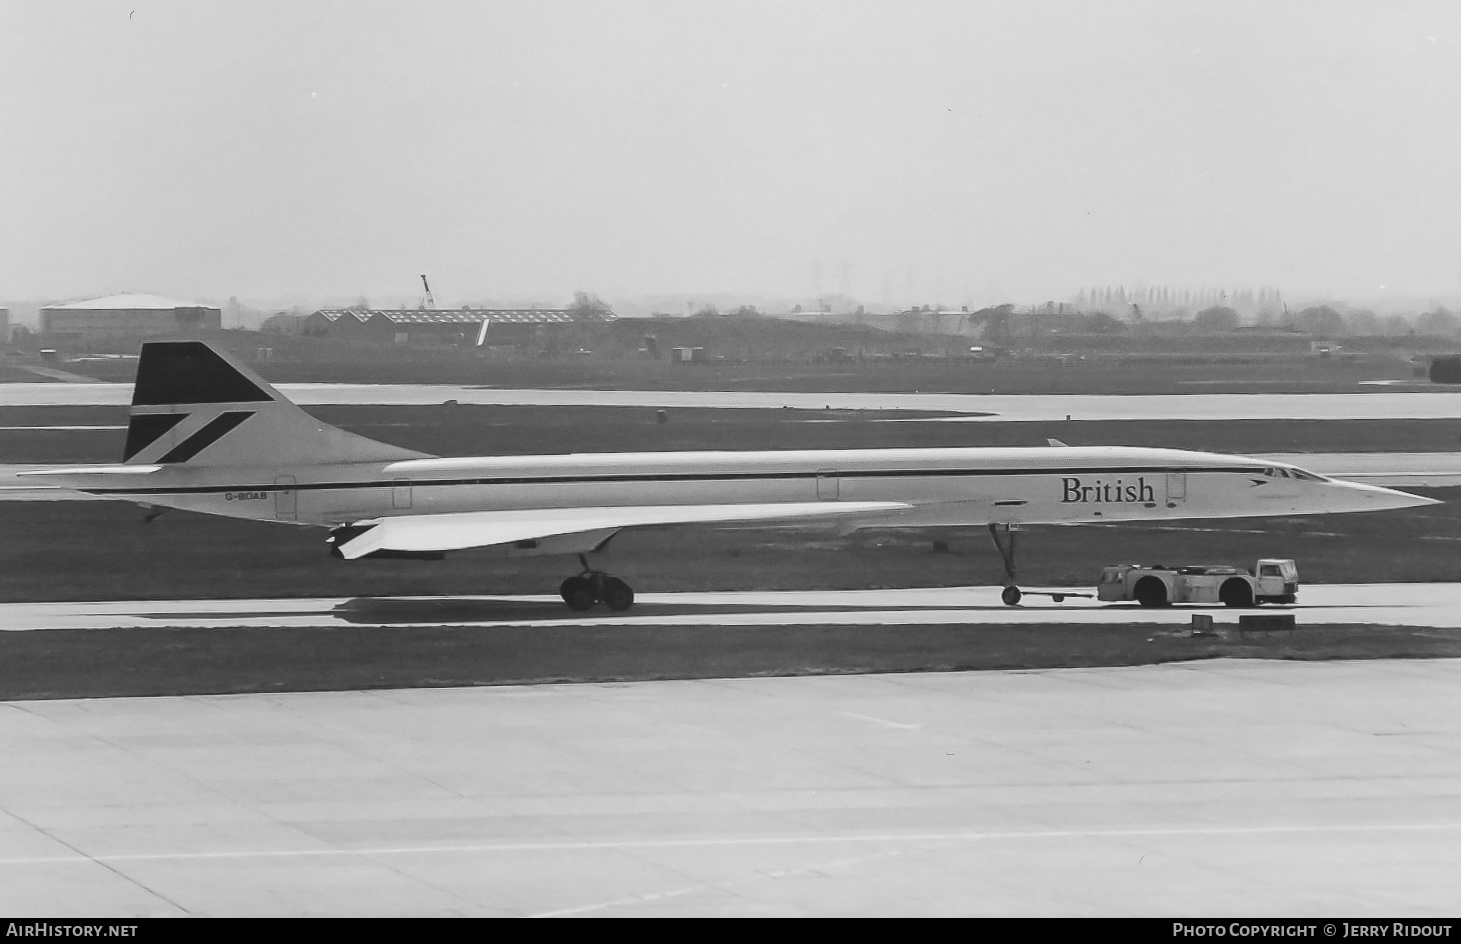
x: 726, y: 885
x: 883, y: 721
x: 610, y: 845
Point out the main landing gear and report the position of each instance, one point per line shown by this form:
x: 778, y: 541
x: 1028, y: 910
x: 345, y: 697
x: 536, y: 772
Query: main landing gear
x: 592, y: 586
x: 1006, y: 547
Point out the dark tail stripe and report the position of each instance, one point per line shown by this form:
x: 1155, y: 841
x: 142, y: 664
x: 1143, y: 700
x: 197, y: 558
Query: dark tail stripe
x: 220, y: 426
x: 144, y: 429
x: 189, y: 372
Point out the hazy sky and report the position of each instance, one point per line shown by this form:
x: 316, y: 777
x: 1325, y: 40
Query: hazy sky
x: 917, y: 152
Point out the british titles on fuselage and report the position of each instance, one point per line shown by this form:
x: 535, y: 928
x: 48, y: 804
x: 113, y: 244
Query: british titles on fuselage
x: 1101, y: 492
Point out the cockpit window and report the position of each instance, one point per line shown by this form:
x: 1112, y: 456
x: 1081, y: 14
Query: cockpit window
x: 1278, y: 473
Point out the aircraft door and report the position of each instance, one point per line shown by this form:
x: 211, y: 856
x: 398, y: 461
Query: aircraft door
x: 1176, y: 489
x: 829, y: 486
x: 401, y: 493
x: 286, y: 498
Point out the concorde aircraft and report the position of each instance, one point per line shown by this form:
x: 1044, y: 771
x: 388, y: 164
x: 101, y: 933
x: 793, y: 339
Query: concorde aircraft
x: 207, y: 434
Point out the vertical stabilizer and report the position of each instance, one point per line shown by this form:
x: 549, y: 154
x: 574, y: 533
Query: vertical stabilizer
x: 197, y: 405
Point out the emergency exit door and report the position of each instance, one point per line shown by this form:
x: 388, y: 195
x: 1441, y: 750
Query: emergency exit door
x: 286, y: 498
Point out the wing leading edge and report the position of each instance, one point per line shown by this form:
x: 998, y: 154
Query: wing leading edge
x: 454, y: 532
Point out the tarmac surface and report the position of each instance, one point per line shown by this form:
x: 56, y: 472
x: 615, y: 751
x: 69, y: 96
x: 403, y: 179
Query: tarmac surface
x: 1023, y: 408
x: 1213, y: 788
x: 1219, y: 788
x: 1389, y: 604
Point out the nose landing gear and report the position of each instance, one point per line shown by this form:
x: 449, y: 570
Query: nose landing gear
x: 1011, y: 595
x: 593, y: 586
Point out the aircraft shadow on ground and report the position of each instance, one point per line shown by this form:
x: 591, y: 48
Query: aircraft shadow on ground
x: 388, y: 611
x: 393, y: 610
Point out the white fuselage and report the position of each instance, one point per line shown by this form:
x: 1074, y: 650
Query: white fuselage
x: 972, y: 486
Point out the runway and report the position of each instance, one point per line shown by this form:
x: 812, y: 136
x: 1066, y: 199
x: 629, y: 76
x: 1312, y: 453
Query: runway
x: 1205, y: 789
x: 1014, y: 408
x: 1393, y: 604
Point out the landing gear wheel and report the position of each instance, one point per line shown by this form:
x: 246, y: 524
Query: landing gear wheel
x: 1003, y: 536
x: 578, y: 593
x: 616, y: 594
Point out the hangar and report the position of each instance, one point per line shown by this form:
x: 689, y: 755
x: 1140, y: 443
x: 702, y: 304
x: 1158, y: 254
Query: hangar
x: 127, y: 317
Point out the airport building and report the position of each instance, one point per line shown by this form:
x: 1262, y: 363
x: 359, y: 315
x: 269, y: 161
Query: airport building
x: 126, y: 317
x: 4, y: 325
x: 441, y: 325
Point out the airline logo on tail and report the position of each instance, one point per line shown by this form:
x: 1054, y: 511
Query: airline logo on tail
x: 147, y: 428
x: 185, y: 373
x: 195, y: 405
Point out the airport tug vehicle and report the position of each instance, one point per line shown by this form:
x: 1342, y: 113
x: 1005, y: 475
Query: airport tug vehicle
x: 1273, y: 580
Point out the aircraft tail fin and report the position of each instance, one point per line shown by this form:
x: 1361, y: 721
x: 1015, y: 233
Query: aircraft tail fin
x: 197, y: 405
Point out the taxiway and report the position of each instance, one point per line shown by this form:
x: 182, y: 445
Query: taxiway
x: 998, y: 407
x: 1388, y: 604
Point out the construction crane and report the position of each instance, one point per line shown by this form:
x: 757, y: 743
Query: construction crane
x: 430, y: 299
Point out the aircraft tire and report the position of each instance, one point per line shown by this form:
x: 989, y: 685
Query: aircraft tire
x: 1011, y: 596
x: 1236, y: 593
x: 616, y: 594
x: 578, y: 593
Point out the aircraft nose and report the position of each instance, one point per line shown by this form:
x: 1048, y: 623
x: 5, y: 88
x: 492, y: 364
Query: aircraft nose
x: 1376, y: 498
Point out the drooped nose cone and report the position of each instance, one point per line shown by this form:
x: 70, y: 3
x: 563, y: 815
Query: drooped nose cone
x: 1374, y: 498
